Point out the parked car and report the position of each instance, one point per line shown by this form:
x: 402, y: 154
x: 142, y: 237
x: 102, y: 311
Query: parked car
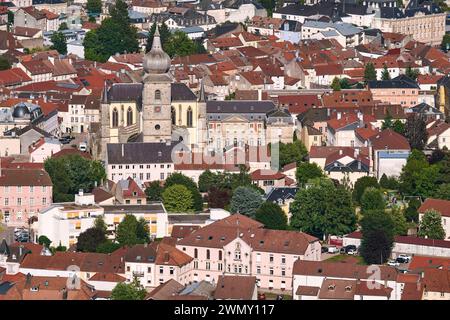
x: 393, y: 263
x: 352, y: 252
x: 407, y: 257
x: 343, y: 250
x: 333, y: 249
x: 401, y: 260
x: 324, y: 249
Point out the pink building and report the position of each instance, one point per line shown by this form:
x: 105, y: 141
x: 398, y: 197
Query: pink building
x: 23, y: 193
x: 238, y: 245
x: 400, y: 90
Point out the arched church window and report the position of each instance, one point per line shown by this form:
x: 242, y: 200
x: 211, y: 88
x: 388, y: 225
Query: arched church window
x: 189, y: 117
x: 115, y: 118
x: 157, y: 95
x: 129, y: 116
x: 174, y: 116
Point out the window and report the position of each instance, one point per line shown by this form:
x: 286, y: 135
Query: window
x: 6, y: 201
x: 258, y: 257
x: 129, y: 116
x: 19, y: 201
x: 283, y: 259
x: 283, y: 272
x: 128, y: 268
x: 115, y: 118
x: 19, y: 189
x: 208, y: 254
x: 271, y: 271
x: 161, y: 176
x: 195, y: 264
x: 149, y: 269
x: 44, y: 201
x: 157, y: 95
x: 237, y: 255
x: 157, y: 127
x: 31, y: 189
x: 161, y: 270
x: 219, y: 266
x: 174, y: 116
x: 258, y: 269
x: 171, y: 270
x: 271, y: 258
x: 195, y: 253
x: 220, y: 254
x: 189, y: 117
x: 208, y: 266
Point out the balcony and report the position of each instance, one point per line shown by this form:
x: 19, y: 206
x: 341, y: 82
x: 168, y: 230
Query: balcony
x: 138, y: 274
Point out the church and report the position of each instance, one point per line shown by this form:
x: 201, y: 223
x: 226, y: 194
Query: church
x: 157, y: 110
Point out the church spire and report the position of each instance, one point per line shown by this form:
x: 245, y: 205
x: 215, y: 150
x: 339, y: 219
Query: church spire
x: 156, y: 39
x: 105, y: 93
x: 202, y: 95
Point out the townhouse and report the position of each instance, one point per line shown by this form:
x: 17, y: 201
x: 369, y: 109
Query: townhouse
x: 24, y: 193
x: 156, y: 263
x: 438, y: 135
x: 238, y: 245
x: 317, y: 280
x: 399, y: 90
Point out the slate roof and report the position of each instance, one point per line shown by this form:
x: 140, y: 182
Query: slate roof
x: 401, y: 81
x: 139, y: 152
x: 282, y: 193
x: 181, y: 92
x: 242, y: 106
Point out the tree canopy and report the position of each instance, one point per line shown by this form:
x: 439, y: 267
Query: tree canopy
x: 59, y: 42
x: 360, y: 186
x: 71, y: 173
x: 181, y: 179
x: 154, y: 191
x: 132, y: 231
x: 245, y: 201
x: 164, y: 34
x: 323, y: 209
x: 372, y: 199
x: 306, y: 171
x: 272, y: 216
x: 377, y: 229
x: 369, y: 72
x: 115, y: 35
x: 129, y: 291
x: 431, y: 225
x: 4, y: 63
x: 385, y: 74
x: 89, y: 240
x: 178, y: 198
x: 416, y: 131
x: 292, y: 152
x: 94, y: 7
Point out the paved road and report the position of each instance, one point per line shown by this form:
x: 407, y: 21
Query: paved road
x: 7, y: 233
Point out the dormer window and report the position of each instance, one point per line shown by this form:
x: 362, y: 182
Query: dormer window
x: 157, y: 95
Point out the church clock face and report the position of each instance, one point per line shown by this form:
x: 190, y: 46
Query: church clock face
x: 157, y: 109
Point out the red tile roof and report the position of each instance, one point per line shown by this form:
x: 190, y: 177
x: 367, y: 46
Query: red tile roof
x: 235, y: 288
x: 442, y: 206
x: 391, y: 140
x: 13, y: 77
x: 266, y: 175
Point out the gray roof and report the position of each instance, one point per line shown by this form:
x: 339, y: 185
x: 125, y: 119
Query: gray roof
x: 144, y: 208
x: 188, y: 218
x: 239, y: 106
x: 139, y: 153
x: 346, y: 29
x: 401, y: 81
x: 282, y: 193
x: 181, y: 92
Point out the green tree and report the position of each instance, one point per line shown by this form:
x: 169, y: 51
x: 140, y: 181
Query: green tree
x: 344, y: 83
x: 63, y: 26
x: 306, y: 171
x: 43, y: 240
x: 207, y: 180
x: 445, y: 44
x: 178, y: 198
x: 179, y: 44
x: 245, y: 201
x: 143, y: 231
x: 178, y: 178
x: 336, y: 84
x: 323, y: 209
x: 292, y: 152
x: 154, y: 191
x: 377, y: 229
x: 387, y: 122
x: 431, y: 225
x: 399, y: 127
x: 389, y: 182
x: 412, y: 73
x: 372, y: 199
x: 108, y: 247
x: 416, y: 131
x: 443, y: 192
x: 360, y: 186
x: 272, y: 216
x: 4, y: 63
x: 90, y: 239
x: 385, y: 74
x: 399, y: 220
x: 59, y: 42
x: 369, y: 72
x: 100, y: 224
x: 164, y: 34
x: 411, y: 213
x: 71, y: 173
x: 94, y: 7
x: 129, y: 231
x: 418, y: 178
x: 115, y: 35
x: 128, y: 291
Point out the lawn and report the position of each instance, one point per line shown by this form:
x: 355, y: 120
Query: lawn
x: 346, y: 259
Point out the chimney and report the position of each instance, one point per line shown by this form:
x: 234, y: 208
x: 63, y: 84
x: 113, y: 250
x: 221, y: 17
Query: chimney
x: 338, y: 116
x: 123, y: 150
x: 259, y: 94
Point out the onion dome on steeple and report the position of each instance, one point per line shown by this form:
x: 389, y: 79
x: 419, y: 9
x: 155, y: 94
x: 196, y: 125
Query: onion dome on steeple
x: 156, y: 61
